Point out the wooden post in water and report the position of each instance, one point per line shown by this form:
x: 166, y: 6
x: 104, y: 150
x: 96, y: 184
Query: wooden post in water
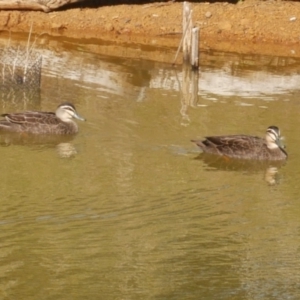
x: 190, y: 38
x: 195, y: 48
x: 190, y: 73
x: 187, y: 30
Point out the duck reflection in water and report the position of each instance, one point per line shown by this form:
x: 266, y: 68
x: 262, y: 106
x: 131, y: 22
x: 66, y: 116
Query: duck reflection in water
x: 62, y: 143
x: 245, y: 153
x: 270, y: 168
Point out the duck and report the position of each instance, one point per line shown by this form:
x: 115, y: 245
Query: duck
x: 39, y: 122
x: 246, y: 146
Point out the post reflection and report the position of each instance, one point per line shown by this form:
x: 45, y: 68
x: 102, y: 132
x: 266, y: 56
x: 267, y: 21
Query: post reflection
x: 189, y: 91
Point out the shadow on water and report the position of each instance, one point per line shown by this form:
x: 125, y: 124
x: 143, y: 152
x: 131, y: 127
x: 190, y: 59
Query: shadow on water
x: 270, y: 168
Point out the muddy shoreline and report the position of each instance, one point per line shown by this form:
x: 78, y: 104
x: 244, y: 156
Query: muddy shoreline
x: 249, y: 27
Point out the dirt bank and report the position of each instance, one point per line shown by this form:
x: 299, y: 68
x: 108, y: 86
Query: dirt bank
x: 256, y: 27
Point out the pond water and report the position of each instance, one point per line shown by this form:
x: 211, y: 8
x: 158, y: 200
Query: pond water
x: 127, y: 209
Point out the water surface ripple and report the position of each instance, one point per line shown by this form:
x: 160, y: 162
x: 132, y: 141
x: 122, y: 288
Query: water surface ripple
x: 128, y: 209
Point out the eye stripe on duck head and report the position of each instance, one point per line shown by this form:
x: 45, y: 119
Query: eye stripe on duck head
x: 272, y: 137
x: 67, y: 106
x: 66, y: 111
x: 274, y: 132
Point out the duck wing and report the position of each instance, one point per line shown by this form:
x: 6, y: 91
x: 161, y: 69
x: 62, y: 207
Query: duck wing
x: 31, y: 118
x: 233, y: 145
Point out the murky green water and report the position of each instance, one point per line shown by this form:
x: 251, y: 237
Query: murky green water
x: 125, y: 210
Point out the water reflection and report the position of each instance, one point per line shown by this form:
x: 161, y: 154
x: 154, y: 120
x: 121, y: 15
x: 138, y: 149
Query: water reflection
x: 189, y: 91
x: 66, y: 150
x: 135, y: 201
x: 62, y: 143
x: 220, y: 74
x: 237, y: 76
x: 215, y: 162
x: 223, y: 74
x: 21, y: 99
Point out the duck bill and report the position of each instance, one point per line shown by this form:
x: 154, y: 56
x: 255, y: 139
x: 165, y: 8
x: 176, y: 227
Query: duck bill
x: 280, y: 143
x: 76, y: 116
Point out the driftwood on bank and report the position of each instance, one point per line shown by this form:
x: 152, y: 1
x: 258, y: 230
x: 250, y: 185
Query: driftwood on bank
x: 44, y: 5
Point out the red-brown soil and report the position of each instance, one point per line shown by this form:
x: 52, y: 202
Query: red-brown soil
x: 252, y: 26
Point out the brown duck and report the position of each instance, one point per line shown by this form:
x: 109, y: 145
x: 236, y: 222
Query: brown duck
x: 245, y: 146
x: 38, y: 122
